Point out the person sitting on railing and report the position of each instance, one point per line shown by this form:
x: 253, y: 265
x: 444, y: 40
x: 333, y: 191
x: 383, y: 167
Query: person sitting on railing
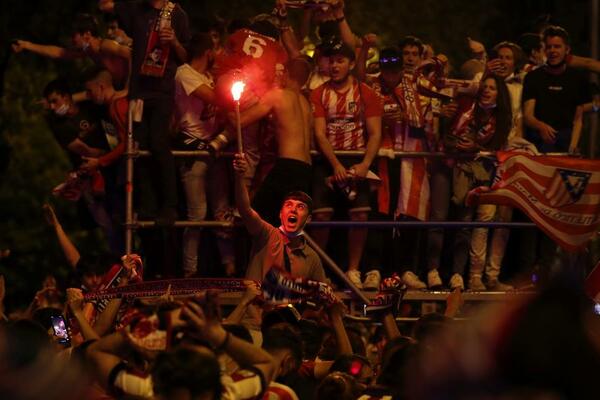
x: 481, y: 123
x: 344, y: 109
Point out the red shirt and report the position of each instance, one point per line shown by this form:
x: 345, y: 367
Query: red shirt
x: 258, y: 57
x: 346, y: 112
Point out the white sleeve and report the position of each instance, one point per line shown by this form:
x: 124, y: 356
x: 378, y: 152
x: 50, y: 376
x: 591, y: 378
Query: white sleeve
x: 245, y: 385
x: 134, y: 385
x: 189, y: 79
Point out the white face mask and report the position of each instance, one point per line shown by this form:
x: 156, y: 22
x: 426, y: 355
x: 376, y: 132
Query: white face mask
x: 85, y: 46
x: 291, y: 234
x: 62, y: 110
x: 487, y: 106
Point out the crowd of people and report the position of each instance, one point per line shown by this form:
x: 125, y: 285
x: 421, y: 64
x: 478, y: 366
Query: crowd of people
x: 322, y: 137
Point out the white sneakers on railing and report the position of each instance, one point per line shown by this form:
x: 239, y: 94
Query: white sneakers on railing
x: 434, y: 281
x: 372, y: 280
x: 412, y: 281
x: 456, y: 282
x: 354, y: 276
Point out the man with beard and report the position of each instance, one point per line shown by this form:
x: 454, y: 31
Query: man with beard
x: 553, y: 99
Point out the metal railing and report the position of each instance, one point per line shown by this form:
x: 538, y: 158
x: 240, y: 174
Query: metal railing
x: 131, y: 223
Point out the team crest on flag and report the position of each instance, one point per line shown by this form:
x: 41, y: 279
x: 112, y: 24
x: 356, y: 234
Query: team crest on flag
x: 560, y: 194
x: 567, y: 187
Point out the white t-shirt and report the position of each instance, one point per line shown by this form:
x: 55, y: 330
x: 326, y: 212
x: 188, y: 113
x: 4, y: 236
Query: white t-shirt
x: 196, y: 118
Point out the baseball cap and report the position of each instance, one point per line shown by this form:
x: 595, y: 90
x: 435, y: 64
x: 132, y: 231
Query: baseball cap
x: 340, y: 49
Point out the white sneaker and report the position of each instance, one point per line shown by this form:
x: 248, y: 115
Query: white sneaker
x: 433, y: 279
x: 412, y: 281
x: 354, y: 276
x: 372, y: 280
x: 456, y: 282
x: 476, y: 284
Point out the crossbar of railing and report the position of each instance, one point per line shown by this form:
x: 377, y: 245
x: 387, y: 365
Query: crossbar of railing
x: 356, y: 224
x: 348, y: 153
x: 232, y: 298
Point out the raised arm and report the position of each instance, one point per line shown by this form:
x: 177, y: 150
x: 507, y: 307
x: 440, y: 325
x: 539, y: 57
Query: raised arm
x: 206, y: 321
x: 69, y: 250
x: 251, y: 293
x: 348, y: 37
x: 289, y: 40
x: 75, y: 303
x: 105, y: 321
x: 251, y: 219
x: 46, y: 50
x: 369, y: 41
x: 336, y: 315
x: 586, y: 63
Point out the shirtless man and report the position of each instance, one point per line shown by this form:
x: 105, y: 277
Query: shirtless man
x: 291, y: 117
x: 105, y: 53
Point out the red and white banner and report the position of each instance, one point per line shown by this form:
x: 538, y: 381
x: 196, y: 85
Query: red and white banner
x: 560, y: 194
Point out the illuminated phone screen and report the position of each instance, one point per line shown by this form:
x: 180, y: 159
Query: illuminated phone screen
x: 59, y: 326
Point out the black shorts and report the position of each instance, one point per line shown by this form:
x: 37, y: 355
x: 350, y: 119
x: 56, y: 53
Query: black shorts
x: 326, y: 199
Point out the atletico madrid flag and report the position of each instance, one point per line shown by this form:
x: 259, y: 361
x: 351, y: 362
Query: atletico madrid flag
x: 561, y: 195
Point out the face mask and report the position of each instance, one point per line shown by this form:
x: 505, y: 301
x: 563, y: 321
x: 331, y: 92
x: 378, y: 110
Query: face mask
x: 62, y: 110
x: 291, y: 234
x: 85, y: 46
x: 487, y: 106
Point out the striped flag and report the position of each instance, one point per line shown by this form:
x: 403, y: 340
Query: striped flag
x: 561, y: 195
x: 414, y: 195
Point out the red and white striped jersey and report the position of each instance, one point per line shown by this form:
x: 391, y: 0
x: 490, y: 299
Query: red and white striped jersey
x: 346, y: 112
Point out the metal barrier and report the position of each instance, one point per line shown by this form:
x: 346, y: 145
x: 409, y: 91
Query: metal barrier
x: 131, y: 223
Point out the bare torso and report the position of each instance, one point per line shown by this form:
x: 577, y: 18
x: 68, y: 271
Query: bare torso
x: 291, y: 113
